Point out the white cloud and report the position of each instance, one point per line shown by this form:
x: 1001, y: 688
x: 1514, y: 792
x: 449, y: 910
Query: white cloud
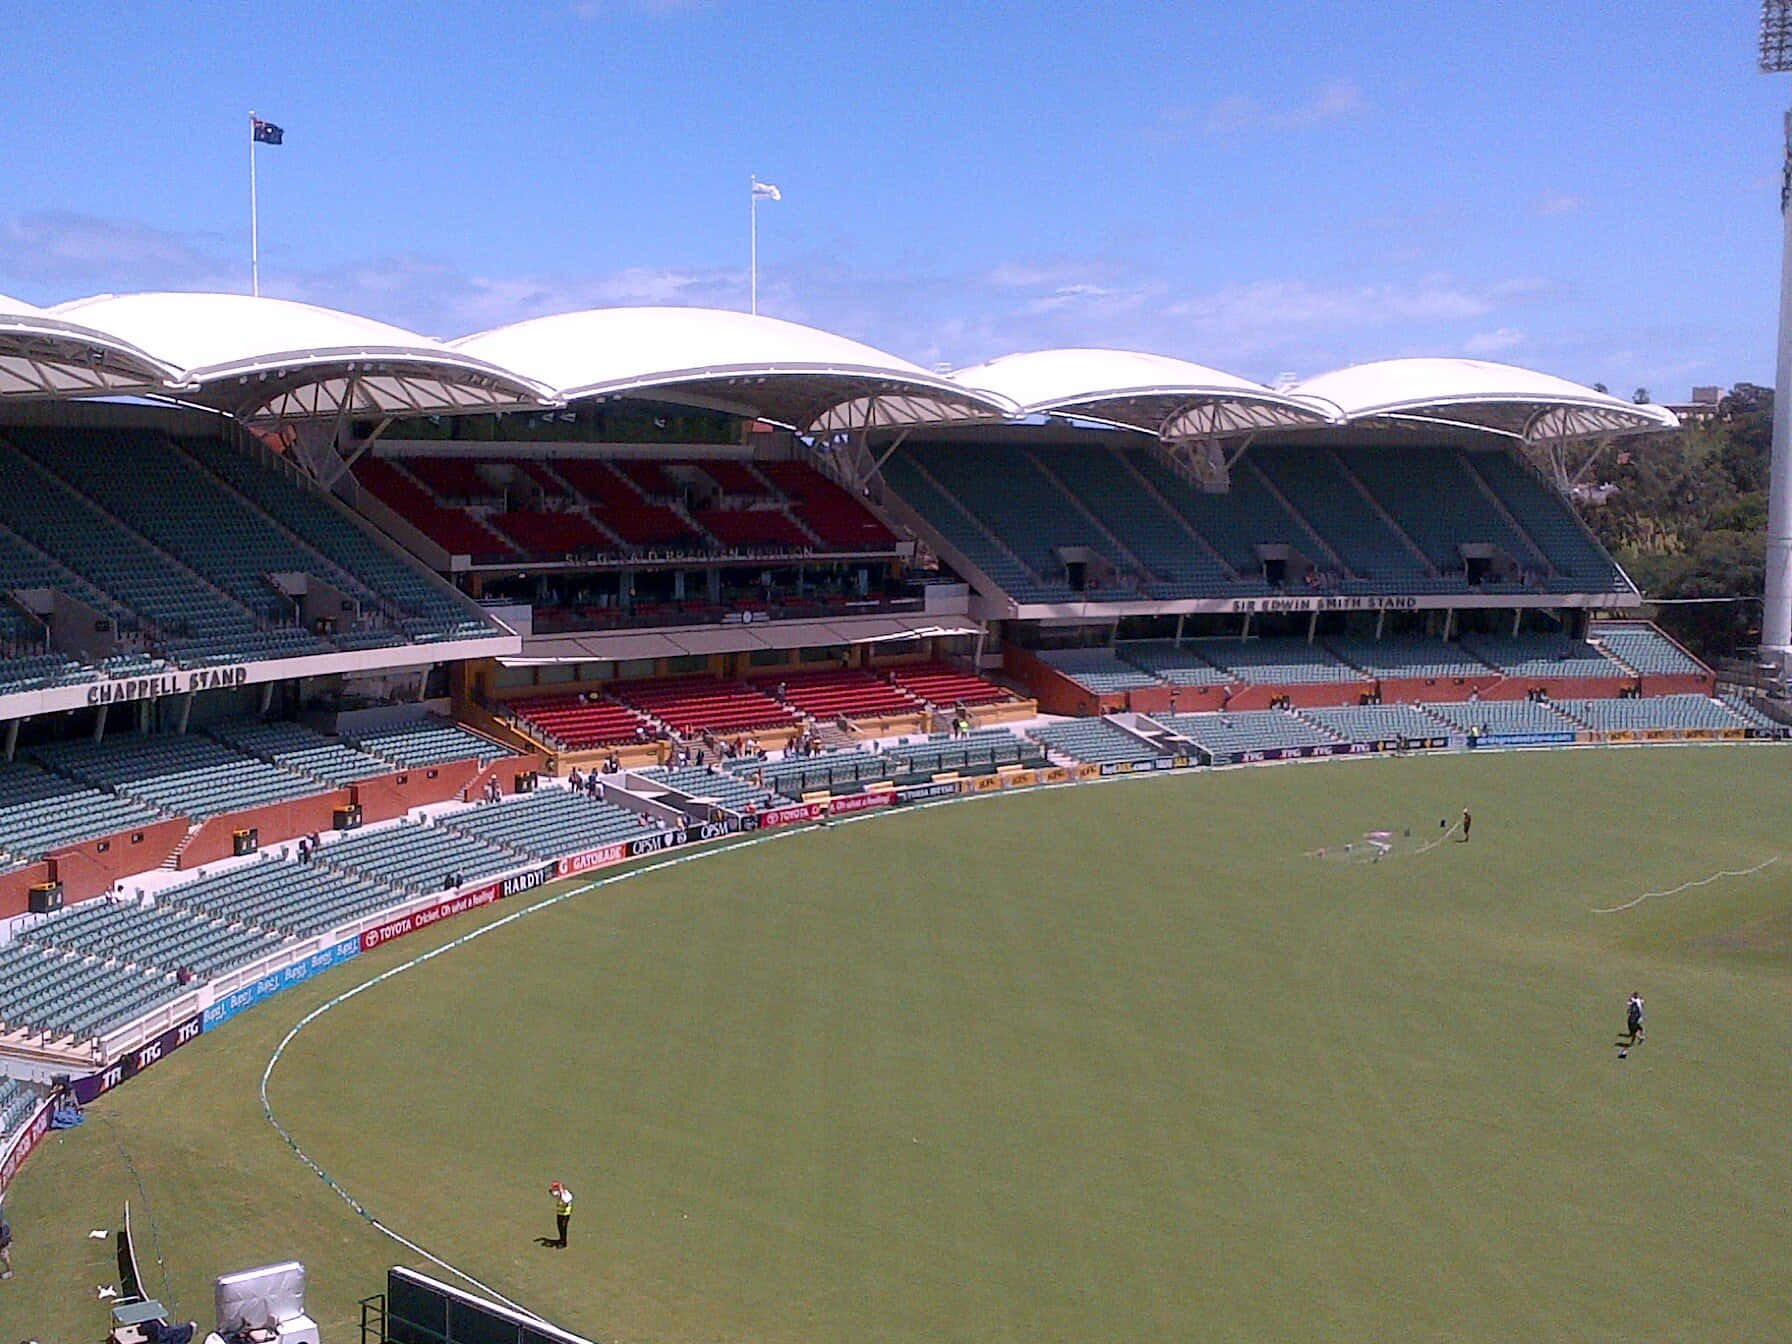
x: 1497, y: 342
x: 1242, y: 114
x: 1558, y: 203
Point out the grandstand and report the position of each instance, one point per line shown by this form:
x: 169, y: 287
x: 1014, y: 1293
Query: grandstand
x: 831, y: 772
x: 1099, y: 670
x: 181, y: 775
x: 41, y: 811
x: 1228, y: 736
x: 1093, y: 741
x: 550, y: 823
x: 153, y: 938
x: 426, y: 741
x: 418, y: 858
x: 281, y: 896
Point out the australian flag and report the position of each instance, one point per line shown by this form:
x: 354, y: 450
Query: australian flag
x: 265, y: 132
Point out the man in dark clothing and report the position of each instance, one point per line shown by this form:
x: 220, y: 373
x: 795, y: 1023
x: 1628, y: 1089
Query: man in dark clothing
x: 1467, y: 821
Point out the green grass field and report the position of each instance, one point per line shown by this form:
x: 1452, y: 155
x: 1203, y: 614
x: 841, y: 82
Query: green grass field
x: 1117, y: 1062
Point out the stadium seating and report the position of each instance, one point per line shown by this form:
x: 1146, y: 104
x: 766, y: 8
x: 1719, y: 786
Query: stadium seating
x: 1646, y: 651
x: 17, y: 1101
x: 1180, y: 665
x: 553, y: 535
x: 1377, y: 723
x: 622, y: 509
x: 1226, y: 734
x: 302, y: 900
x: 578, y: 721
x: 704, y: 704
x: 300, y: 749
x: 1098, y: 670
x: 1435, y: 501
x: 1755, y: 717
x: 851, y: 693
x: 974, y: 753
x: 1577, y: 564
x: 453, y: 529
x: 971, y: 537
x: 189, y: 774
x: 753, y: 529
x: 417, y: 858
x: 1178, y: 564
x: 945, y: 686
x: 41, y: 812
x: 1092, y: 741
x: 195, y: 620
x: 720, y: 786
x: 1660, y: 713
x: 828, y: 771
x: 153, y: 938
x: 1409, y: 657
x: 424, y: 607
x: 1272, y: 662
x: 550, y: 823
x: 1536, y: 656
x: 428, y: 741
x: 1315, y: 484
x: 1502, y: 716
x: 1234, y: 523
x: 842, y: 522
x: 62, y: 994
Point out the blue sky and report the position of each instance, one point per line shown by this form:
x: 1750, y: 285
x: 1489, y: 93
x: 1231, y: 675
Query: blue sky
x: 1584, y: 186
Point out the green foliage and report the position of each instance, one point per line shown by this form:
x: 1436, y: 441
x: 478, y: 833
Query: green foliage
x: 1688, y: 519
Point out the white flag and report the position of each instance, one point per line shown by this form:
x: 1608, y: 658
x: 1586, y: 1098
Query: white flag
x: 765, y: 191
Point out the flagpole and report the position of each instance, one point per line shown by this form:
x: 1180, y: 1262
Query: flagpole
x: 254, y: 218
x: 753, y: 213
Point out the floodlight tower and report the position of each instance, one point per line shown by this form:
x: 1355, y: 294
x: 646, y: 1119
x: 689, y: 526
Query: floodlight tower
x: 1776, y: 617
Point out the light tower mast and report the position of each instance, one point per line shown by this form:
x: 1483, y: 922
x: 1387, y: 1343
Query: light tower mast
x: 1776, y: 616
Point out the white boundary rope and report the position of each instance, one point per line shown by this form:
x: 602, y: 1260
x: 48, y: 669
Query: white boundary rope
x: 783, y: 833
x: 1688, y: 886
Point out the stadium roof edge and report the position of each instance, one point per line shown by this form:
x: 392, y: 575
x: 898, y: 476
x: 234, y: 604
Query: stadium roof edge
x: 810, y: 380
x: 43, y: 355
x: 1155, y: 394
x: 1536, y: 407
x: 267, y: 359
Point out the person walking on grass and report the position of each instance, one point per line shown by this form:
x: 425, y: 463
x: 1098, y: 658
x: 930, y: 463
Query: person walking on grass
x: 562, y: 1211
x: 1633, y: 1020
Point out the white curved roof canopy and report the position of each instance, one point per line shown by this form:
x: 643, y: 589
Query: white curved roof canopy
x: 273, y: 360
x: 1536, y: 407
x: 1171, y: 398
x: 810, y: 380
x: 45, y: 356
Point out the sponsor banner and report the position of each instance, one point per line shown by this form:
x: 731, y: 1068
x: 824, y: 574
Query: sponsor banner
x: 653, y: 844
x: 429, y: 914
x: 590, y: 859
x: 1658, y: 735
x: 24, y: 1144
x: 986, y: 783
x: 1526, y: 739
x: 920, y: 793
x: 1055, y: 774
x: 1020, y: 779
x: 517, y: 883
x: 1140, y: 767
x: 715, y: 830
x: 1621, y: 735
x: 1088, y: 772
x: 1736, y: 734
x: 129, y: 1066
x: 851, y: 803
x: 271, y: 984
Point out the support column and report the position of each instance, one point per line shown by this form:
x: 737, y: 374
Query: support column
x: 1776, y: 614
x: 99, y: 724
x: 12, y: 739
x: 186, y: 712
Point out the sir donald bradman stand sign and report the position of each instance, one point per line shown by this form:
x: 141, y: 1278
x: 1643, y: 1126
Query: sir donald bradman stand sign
x: 167, y: 683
